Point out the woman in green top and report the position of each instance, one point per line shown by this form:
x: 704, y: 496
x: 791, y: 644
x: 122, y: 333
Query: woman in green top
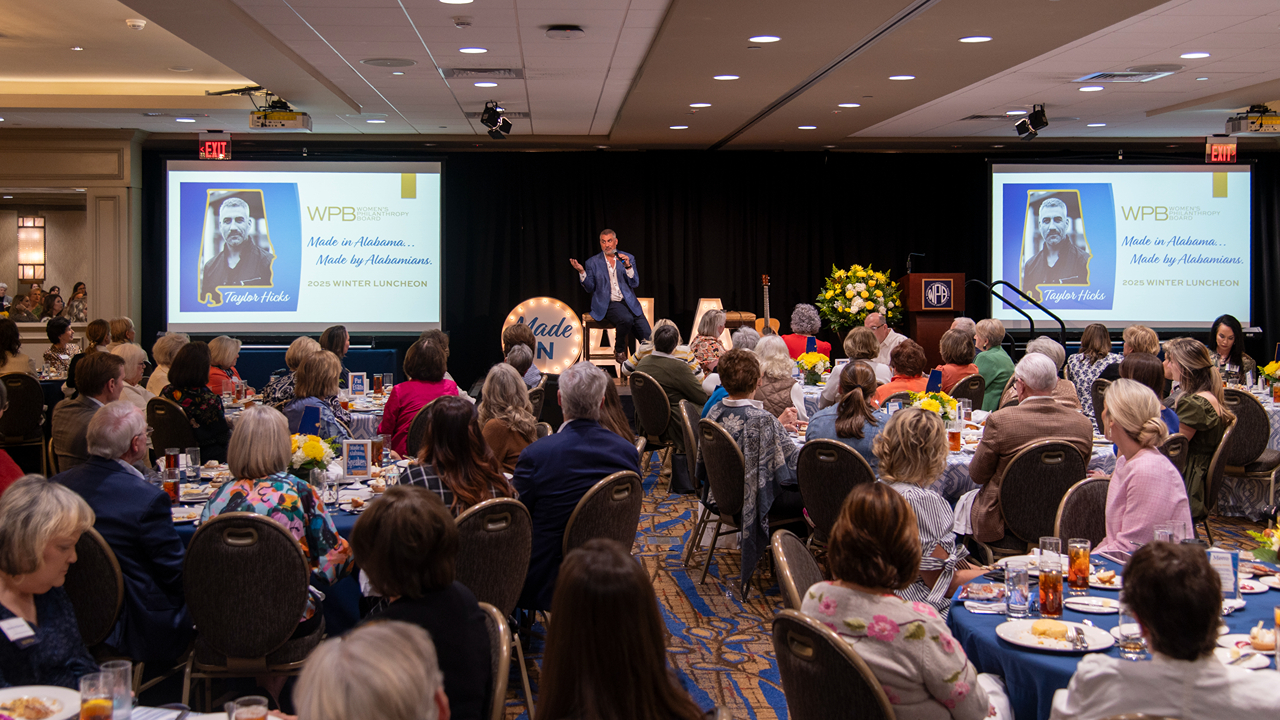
x: 993, y: 362
x: 1201, y: 414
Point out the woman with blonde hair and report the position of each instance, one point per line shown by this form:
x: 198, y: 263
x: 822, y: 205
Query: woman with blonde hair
x: 317, y: 386
x: 706, y: 346
x: 506, y: 415
x: 859, y: 344
x: 1085, y: 366
x: 855, y: 421
x: 778, y: 390
x: 96, y: 335
x: 135, y: 363
x: 280, y: 389
x: 164, y: 350
x: 913, y: 453
x: 1202, y: 413
x: 1145, y: 489
x: 121, y: 332
x: 994, y: 364
x: 223, y: 353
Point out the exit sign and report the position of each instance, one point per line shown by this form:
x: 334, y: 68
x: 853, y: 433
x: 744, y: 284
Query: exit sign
x: 215, y: 146
x: 1219, y: 150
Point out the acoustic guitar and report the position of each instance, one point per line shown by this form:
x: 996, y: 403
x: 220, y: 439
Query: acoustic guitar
x: 767, y: 325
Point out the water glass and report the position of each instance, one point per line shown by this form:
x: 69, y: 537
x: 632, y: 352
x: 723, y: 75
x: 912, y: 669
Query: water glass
x: 121, y: 678
x: 1017, y: 589
x: 1164, y: 533
x: 227, y: 398
x: 388, y: 379
x: 1132, y: 645
x: 253, y: 707
x: 193, y: 461
x: 966, y: 408
x: 96, y: 701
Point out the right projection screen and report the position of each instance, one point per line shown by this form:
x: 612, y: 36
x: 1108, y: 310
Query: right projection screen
x: 1161, y: 245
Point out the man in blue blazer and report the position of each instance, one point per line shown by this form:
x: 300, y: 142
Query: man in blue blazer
x: 134, y: 518
x: 611, y: 278
x: 555, y: 472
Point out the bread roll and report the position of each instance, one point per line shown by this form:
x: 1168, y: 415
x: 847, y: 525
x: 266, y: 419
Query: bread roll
x: 1049, y: 628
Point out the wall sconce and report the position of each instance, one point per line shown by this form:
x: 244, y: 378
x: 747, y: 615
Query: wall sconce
x: 31, y: 249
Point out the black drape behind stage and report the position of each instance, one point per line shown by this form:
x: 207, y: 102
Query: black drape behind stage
x: 700, y: 224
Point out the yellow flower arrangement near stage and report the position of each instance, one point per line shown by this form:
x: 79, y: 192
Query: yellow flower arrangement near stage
x: 849, y: 296
x: 813, y: 364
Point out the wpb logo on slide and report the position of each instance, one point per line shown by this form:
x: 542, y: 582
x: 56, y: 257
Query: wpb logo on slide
x: 241, y: 247
x: 1060, y: 244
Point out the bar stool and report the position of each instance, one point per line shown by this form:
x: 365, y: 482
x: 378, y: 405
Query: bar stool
x: 596, y: 352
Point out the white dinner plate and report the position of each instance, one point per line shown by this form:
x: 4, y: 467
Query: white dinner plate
x: 1115, y: 631
x: 1116, y: 583
x: 1256, y: 662
x: 65, y: 703
x: 1018, y: 632
x: 1253, y: 587
x: 1270, y: 581
x: 185, y: 514
x: 1240, y: 641
x: 1094, y: 605
x: 1032, y: 561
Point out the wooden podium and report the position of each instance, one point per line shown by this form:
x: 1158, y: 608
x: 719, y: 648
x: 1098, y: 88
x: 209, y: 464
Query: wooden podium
x: 933, y: 302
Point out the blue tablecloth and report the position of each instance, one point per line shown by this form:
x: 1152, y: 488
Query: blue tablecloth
x: 1033, y: 676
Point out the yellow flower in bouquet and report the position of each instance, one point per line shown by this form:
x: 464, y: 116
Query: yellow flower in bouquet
x: 1271, y: 370
x: 813, y: 362
x: 939, y: 403
x: 870, y: 292
x: 313, y: 448
x: 931, y: 405
x: 311, y: 451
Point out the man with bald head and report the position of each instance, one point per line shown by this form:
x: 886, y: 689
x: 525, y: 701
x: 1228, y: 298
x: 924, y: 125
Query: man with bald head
x: 888, y: 338
x: 1060, y: 261
x: 240, y: 263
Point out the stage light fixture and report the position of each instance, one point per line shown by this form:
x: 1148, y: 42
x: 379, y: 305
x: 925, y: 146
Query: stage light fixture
x: 492, y: 118
x: 1030, y: 126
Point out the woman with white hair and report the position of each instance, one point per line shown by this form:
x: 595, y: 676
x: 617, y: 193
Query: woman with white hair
x: 280, y: 389
x: 40, y: 524
x: 706, y: 346
x: 164, y: 350
x: 135, y: 363
x: 223, y: 353
x: 805, y: 323
x: 778, y: 389
x: 1065, y: 391
x: 994, y: 364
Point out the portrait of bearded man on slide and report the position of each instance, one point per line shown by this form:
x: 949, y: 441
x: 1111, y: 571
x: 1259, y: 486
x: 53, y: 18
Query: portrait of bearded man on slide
x: 1060, y: 260
x: 240, y: 262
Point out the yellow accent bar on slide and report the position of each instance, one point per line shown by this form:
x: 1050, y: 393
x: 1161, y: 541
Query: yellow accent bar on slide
x: 1219, y: 184
x: 409, y: 186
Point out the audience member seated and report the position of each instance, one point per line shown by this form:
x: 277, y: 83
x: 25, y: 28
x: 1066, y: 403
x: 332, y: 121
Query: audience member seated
x: 1037, y: 416
x: 675, y: 377
x: 888, y: 338
x: 189, y: 388
x: 744, y: 338
x: 134, y: 517
x: 521, y: 334
x: 281, y: 389
x: 11, y: 351
x: 606, y: 650
x: 40, y: 524
x: 520, y: 358
x: 101, y: 380
x: 778, y: 389
x: 1065, y: 391
x: 1233, y: 363
x: 386, y: 670
x: 1146, y: 489
x: 51, y: 307
x: 855, y: 421
x: 455, y: 462
x: 58, y: 357
x: 96, y: 336
x: 682, y: 352
x: 1147, y: 369
x: 20, y: 309
x: 407, y: 545
x: 77, y: 310
x: 506, y: 415
x: 556, y: 471
x: 907, y: 364
x: 993, y: 362
x: 1202, y: 417
x: 336, y: 340
x: 223, y: 353
x: 424, y: 365
x: 805, y: 323
x: 1137, y: 339
x: 164, y: 351
x: 258, y: 458
x: 9, y: 470
x: 121, y: 332
x: 317, y: 386
x: 1086, y: 365
x: 5, y: 298
x: 613, y: 417
x: 135, y: 363
x: 706, y: 346
x: 35, y: 298
x: 956, y: 347
x: 1176, y: 597
x: 859, y: 344
x: 440, y: 339
x: 965, y: 324
x: 875, y: 551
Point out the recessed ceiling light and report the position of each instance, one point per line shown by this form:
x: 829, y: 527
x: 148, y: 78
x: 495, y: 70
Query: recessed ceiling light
x: 76, y: 47
x: 473, y: 50
x: 765, y: 38
x: 699, y: 105
x: 486, y: 84
x: 679, y: 127
x: 1015, y: 112
x: 80, y: 189
x: 185, y: 119
x: 1194, y: 55
x: 807, y: 127
x: 1171, y: 146
x: 902, y: 77
x: 829, y: 147
x: 1097, y: 124
x: 997, y: 146
x: 725, y: 77
x: 849, y: 105
x: 975, y: 39
x: 1092, y: 88
x: 375, y: 121
x: 397, y: 73
x: 180, y: 68
x: 602, y: 147
x: 8, y: 197
x: 1202, y: 78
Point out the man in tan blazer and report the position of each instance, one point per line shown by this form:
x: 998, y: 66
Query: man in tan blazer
x: 99, y: 380
x: 1037, y: 416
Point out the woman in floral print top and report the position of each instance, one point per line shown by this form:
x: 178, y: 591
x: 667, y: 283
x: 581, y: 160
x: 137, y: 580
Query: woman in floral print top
x: 922, y: 668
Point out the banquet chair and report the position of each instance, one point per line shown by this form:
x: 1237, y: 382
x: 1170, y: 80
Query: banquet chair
x: 543, y: 429
x: 1034, y: 482
x: 22, y: 424
x: 1253, y: 460
x: 1098, y: 394
x: 495, y: 539
x: 1175, y: 447
x: 499, y: 659
x: 639, y: 442
x: 1228, y: 448
x: 822, y: 675
x: 827, y: 471
x: 610, y: 509
x: 1006, y: 398
x: 726, y: 475
x: 171, y: 427
x: 653, y: 411
x: 245, y: 579
x: 1083, y: 512
x: 536, y: 396
x: 689, y: 416
x: 797, y: 570
x: 972, y: 388
x: 902, y: 397
x: 95, y: 586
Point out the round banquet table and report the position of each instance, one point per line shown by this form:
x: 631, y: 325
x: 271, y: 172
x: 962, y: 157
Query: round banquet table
x: 1032, y: 676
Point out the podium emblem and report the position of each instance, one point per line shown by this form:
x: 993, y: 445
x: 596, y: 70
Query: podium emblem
x: 937, y: 294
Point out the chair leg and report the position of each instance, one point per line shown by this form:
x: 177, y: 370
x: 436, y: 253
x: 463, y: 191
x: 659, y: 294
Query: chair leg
x: 186, y: 681
x: 711, y: 552
x: 524, y: 674
x: 695, y: 537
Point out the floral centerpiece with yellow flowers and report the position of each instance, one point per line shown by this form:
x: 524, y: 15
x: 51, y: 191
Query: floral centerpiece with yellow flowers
x: 310, y: 452
x: 1271, y: 373
x: 849, y: 296
x: 940, y: 403
x: 1269, y: 545
x: 813, y: 364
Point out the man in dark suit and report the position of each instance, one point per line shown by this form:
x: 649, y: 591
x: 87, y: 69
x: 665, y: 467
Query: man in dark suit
x: 99, y: 379
x: 1037, y: 416
x: 611, y: 278
x: 555, y: 472
x: 134, y: 518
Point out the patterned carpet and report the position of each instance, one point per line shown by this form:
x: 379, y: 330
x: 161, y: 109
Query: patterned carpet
x: 720, y: 644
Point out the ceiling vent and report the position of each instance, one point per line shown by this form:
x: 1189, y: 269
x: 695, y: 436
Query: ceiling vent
x: 1133, y: 75
x: 508, y: 114
x: 483, y: 73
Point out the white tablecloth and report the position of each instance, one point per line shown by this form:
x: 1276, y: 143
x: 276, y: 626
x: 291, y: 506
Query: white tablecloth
x: 811, y: 393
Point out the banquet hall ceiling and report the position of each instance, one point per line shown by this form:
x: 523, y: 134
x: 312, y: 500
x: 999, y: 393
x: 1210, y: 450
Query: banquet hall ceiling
x: 638, y: 65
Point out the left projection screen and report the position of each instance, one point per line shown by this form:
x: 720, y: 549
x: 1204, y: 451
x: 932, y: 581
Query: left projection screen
x: 278, y: 247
